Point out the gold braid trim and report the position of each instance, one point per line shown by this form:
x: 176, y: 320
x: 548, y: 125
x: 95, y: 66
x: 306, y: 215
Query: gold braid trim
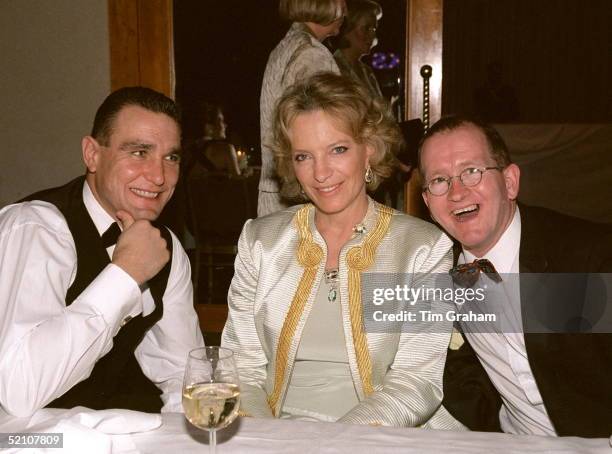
x: 309, y: 255
x: 358, y: 259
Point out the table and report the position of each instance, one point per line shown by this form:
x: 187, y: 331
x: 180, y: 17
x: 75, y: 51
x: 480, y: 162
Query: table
x: 253, y: 435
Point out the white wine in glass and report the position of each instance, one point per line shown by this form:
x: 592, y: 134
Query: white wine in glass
x: 211, y: 391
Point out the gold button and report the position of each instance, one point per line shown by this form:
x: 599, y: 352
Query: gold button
x: 126, y: 320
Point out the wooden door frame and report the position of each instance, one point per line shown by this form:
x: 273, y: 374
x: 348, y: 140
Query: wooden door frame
x: 141, y: 44
x: 423, y: 47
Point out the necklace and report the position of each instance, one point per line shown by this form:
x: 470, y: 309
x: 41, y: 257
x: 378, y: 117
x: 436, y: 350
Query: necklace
x: 331, y: 279
x: 331, y: 276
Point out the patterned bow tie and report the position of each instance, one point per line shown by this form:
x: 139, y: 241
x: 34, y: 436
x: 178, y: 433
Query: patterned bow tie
x: 111, y: 235
x: 466, y: 275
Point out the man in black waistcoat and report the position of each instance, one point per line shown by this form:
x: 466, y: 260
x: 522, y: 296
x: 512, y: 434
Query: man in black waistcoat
x: 553, y: 379
x: 96, y: 302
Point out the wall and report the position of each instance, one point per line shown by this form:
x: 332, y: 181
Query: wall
x: 551, y: 56
x: 55, y: 73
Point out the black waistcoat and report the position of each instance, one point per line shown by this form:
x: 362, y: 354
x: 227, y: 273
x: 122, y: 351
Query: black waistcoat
x: 117, y: 380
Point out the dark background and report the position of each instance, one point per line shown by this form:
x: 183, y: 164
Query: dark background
x: 221, y: 50
x: 555, y: 57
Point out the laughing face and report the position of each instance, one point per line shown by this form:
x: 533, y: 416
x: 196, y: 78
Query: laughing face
x: 329, y: 165
x: 476, y: 216
x: 138, y: 169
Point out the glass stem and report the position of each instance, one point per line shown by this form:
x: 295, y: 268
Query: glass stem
x: 212, y: 441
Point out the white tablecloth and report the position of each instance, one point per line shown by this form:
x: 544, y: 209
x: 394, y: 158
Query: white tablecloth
x: 250, y: 435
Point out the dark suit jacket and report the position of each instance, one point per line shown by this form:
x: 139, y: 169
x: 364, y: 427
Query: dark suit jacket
x: 573, y: 370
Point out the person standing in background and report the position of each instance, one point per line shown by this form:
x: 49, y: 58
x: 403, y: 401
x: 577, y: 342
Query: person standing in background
x: 357, y: 36
x: 300, y: 54
x: 213, y: 151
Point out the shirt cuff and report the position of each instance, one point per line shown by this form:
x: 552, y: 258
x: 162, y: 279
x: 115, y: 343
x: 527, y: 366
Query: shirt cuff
x: 114, y: 295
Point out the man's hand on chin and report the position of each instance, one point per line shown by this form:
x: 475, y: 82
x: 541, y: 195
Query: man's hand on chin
x: 141, y: 251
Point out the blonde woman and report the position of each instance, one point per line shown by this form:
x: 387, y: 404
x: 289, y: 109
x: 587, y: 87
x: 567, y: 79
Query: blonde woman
x: 295, y: 306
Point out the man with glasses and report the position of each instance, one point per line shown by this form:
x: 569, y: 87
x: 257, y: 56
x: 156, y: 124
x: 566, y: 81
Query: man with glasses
x: 532, y: 383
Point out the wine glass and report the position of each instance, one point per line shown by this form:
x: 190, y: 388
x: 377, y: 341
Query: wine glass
x: 211, y: 391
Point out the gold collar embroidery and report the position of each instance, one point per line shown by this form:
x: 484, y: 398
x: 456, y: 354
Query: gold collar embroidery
x: 309, y: 255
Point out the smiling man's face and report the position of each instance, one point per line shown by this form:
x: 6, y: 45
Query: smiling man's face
x: 475, y: 216
x: 139, y: 167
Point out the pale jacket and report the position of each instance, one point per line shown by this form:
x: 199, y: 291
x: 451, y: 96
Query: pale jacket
x: 280, y: 262
x: 298, y: 56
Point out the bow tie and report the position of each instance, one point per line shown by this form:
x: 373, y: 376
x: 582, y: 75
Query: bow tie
x: 466, y: 275
x: 109, y: 237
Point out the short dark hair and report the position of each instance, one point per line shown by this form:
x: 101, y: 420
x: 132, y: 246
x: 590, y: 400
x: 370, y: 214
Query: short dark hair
x: 497, y: 147
x: 130, y: 96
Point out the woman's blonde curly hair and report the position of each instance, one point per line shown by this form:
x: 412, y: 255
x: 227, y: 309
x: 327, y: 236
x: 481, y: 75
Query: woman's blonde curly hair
x: 367, y: 120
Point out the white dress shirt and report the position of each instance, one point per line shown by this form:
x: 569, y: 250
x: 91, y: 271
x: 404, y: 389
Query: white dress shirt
x: 503, y: 354
x: 47, y: 347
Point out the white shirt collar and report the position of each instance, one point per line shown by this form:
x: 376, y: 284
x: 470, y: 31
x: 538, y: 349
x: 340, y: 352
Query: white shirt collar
x: 505, y: 254
x: 99, y: 216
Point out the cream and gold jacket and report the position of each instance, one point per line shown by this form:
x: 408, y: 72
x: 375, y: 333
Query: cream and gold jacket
x: 280, y: 262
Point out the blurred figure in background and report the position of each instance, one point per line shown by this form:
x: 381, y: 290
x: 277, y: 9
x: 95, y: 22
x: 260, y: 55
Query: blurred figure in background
x: 357, y: 36
x: 212, y: 150
x: 210, y: 153
x: 299, y: 55
x: 495, y: 100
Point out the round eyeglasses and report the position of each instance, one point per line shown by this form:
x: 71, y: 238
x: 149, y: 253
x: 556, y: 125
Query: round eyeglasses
x: 468, y: 177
